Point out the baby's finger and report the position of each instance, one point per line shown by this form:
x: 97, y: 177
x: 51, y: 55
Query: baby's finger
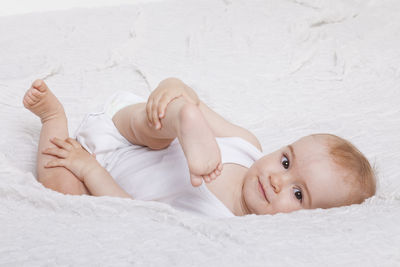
x: 148, y: 110
x: 61, y: 143
x: 162, y: 105
x: 55, y: 163
x: 156, y: 121
x: 73, y: 142
x: 157, y: 109
x: 54, y: 151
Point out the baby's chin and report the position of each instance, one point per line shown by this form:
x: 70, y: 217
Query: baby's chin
x: 253, y: 201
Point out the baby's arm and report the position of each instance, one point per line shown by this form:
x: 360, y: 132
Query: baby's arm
x: 72, y: 156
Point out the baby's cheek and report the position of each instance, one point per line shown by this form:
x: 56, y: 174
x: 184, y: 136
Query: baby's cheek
x: 286, y: 205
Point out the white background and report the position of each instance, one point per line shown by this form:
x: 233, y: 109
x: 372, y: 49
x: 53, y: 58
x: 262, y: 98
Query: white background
x: 12, y: 7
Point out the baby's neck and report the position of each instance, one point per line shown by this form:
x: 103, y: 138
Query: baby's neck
x: 228, y: 188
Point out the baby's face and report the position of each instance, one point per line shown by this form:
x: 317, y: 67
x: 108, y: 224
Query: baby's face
x: 298, y: 176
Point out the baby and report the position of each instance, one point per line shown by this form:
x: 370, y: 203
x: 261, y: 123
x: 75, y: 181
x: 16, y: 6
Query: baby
x: 164, y: 149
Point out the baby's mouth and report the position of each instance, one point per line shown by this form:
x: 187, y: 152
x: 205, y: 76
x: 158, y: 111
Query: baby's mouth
x: 261, y: 188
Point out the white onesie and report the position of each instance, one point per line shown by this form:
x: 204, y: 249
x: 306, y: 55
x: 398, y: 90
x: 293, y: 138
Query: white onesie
x: 157, y: 175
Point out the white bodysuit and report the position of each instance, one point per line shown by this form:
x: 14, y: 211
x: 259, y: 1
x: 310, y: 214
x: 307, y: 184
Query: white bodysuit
x: 156, y: 175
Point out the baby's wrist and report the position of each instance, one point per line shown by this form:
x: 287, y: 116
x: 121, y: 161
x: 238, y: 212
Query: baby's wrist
x: 88, y: 168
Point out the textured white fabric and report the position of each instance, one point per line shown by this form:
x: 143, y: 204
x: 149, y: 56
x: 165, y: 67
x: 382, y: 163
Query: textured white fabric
x: 156, y: 175
x: 282, y: 69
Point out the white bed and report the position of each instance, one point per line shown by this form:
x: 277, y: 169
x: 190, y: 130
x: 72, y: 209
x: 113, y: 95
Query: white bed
x: 282, y: 69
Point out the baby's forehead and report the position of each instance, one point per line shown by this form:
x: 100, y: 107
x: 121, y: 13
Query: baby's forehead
x: 319, y: 140
x: 310, y: 149
x: 317, y: 149
x: 312, y: 158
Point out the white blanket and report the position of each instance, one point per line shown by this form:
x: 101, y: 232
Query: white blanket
x: 282, y: 69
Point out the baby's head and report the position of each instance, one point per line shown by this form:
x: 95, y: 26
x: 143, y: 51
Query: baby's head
x: 317, y: 171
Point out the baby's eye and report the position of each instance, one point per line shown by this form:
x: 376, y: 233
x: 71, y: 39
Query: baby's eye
x: 298, y: 194
x: 285, y: 162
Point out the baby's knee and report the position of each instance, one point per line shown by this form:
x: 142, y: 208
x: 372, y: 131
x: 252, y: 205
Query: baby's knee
x: 189, y: 112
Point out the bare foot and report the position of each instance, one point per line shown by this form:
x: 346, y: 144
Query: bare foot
x: 199, y: 145
x: 42, y: 102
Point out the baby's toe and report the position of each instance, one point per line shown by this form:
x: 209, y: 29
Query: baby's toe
x: 219, y: 167
x: 37, y: 83
x: 28, y: 99
x: 40, y: 85
x: 25, y: 102
x: 207, y: 178
x: 213, y: 175
x: 36, y: 93
x: 196, y: 180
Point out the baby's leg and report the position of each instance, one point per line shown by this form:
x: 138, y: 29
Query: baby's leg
x: 41, y: 101
x: 182, y: 120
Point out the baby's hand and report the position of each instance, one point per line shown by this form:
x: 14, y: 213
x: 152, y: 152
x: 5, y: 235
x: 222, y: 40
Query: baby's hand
x: 71, y: 155
x: 167, y: 90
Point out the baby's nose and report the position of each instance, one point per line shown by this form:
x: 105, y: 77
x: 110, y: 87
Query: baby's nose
x: 275, y: 182
x: 279, y: 180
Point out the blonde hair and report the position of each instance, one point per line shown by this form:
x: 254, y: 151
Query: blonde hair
x: 361, y: 174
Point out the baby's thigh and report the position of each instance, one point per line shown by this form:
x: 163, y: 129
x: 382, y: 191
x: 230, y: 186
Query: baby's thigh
x: 127, y: 118
x: 64, y: 181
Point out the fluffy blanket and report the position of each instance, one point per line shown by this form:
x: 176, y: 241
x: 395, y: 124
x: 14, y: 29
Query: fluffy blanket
x: 282, y: 69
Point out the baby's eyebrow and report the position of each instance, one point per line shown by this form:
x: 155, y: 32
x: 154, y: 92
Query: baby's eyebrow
x: 308, y: 195
x: 292, y: 152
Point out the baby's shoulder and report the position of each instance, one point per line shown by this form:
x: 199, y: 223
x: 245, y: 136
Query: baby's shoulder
x: 248, y: 136
x: 224, y: 128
